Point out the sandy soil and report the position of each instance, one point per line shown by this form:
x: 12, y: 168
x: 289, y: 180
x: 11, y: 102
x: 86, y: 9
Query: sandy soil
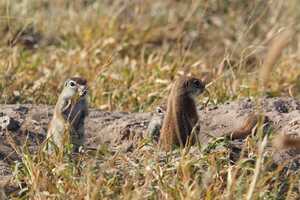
x: 28, y: 124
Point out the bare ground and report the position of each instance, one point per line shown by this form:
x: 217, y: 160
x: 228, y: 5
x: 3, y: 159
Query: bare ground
x: 28, y: 124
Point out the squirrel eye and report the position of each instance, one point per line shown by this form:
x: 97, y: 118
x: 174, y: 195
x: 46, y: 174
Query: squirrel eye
x: 197, y: 83
x: 72, y: 83
x: 159, y: 110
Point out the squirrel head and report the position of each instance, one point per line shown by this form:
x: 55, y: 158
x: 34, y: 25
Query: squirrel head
x: 190, y: 86
x: 73, y: 87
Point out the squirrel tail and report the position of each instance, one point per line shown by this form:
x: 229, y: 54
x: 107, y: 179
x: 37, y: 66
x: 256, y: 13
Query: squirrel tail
x: 285, y: 142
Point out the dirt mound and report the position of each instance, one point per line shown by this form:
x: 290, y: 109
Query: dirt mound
x: 27, y: 124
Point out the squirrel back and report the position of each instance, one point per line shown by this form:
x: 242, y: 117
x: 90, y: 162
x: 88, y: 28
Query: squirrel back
x: 181, y: 115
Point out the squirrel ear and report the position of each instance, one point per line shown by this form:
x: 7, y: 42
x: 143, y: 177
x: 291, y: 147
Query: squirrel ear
x: 66, y: 83
x: 186, y: 84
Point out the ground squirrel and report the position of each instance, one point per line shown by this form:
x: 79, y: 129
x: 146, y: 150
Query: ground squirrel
x: 69, y: 114
x: 286, y: 142
x: 156, y: 123
x: 181, y: 115
x: 248, y: 126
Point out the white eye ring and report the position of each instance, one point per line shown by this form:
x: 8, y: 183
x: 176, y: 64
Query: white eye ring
x: 159, y: 110
x: 72, y: 84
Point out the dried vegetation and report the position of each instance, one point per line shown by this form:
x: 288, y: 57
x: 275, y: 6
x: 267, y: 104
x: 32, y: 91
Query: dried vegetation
x: 130, y: 51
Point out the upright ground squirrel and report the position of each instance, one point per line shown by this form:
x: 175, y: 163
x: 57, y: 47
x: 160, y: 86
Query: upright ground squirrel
x: 181, y: 115
x: 67, y: 124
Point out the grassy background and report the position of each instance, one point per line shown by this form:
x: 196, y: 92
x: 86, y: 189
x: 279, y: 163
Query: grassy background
x: 130, y: 52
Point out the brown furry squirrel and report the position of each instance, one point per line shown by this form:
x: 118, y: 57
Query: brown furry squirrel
x: 69, y: 115
x: 181, y: 115
x: 286, y: 142
x: 247, y: 127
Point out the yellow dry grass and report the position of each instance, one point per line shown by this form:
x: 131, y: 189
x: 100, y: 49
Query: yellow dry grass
x: 130, y: 52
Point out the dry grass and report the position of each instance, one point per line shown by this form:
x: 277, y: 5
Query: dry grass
x: 130, y: 51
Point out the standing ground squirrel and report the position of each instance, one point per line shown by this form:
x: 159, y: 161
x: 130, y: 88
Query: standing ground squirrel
x: 67, y: 124
x: 181, y: 115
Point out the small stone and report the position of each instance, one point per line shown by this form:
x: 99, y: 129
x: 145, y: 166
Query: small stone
x: 22, y: 109
x: 281, y: 107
